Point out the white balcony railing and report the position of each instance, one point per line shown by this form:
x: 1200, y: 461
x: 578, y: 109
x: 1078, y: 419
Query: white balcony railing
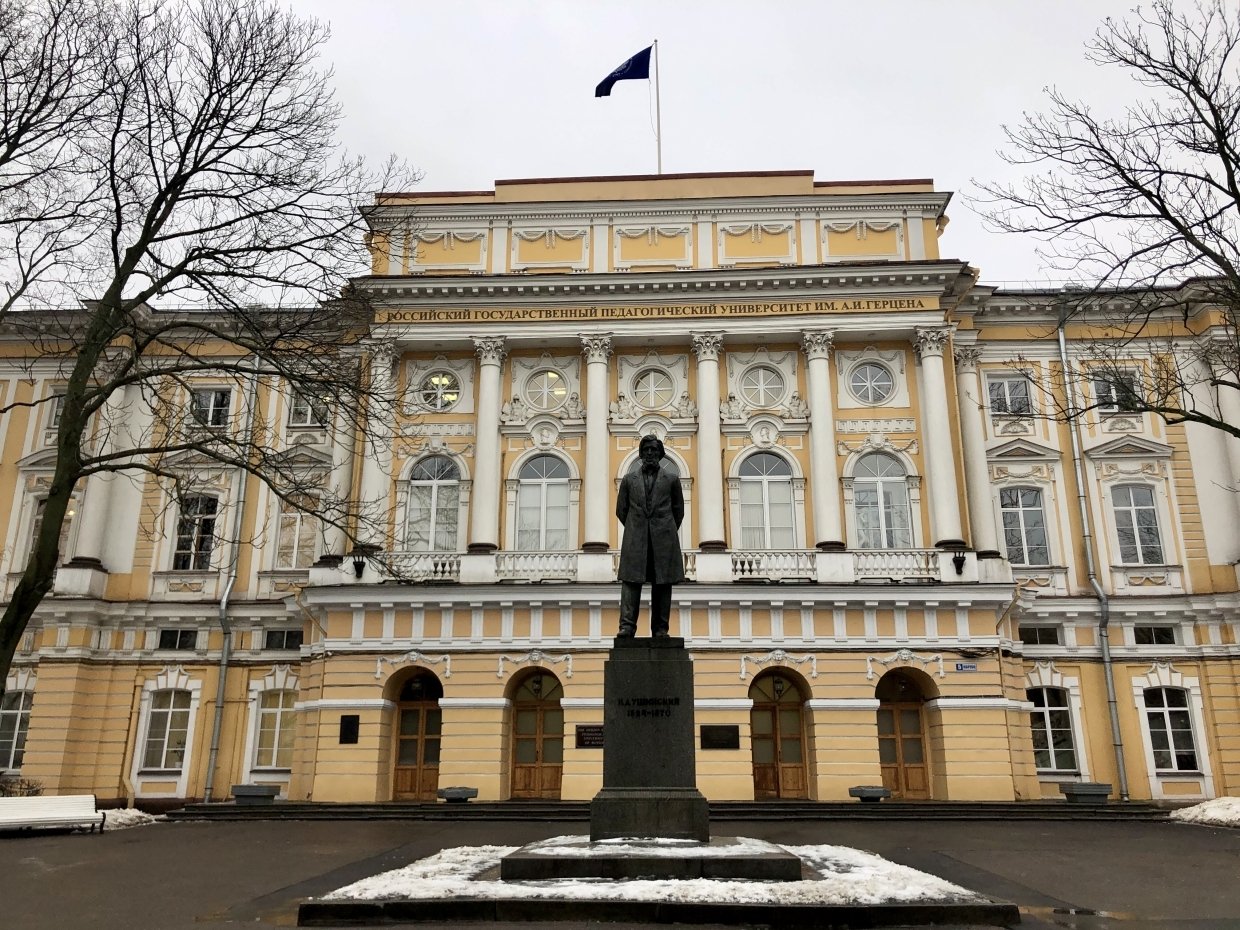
x: 775, y: 565
x: 896, y: 564
x: 426, y: 566
x: 536, y: 566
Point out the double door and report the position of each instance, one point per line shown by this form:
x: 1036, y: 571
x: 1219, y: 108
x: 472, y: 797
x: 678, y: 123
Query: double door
x: 902, y: 750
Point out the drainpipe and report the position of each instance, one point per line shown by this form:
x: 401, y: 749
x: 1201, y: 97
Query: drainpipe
x: 231, y: 581
x: 1104, y: 602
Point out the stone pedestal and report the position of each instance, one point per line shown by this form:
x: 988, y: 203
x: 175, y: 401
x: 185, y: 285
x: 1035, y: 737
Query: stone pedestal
x: 649, y: 773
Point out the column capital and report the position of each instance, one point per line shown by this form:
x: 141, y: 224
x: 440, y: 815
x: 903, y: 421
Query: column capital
x: 967, y: 358
x: 491, y: 349
x: 707, y: 345
x: 932, y: 341
x: 597, y: 347
x: 818, y: 343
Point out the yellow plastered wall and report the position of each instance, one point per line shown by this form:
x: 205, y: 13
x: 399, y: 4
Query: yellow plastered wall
x: 449, y: 250
x: 755, y: 244
x: 654, y: 246
x: 863, y: 241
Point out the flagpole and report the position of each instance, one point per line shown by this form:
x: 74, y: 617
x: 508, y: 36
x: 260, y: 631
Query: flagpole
x: 658, y: 119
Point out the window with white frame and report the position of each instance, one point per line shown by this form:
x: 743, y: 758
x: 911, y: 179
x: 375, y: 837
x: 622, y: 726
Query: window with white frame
x: 1136, y: 524
x: 274, y: 746
x: 306, y: 412
x: 881, y: 503
x: 1009, y: 394
x: 543, y: 504
x: 1038, y: 634
x: 178, y: 639
x: 209, y: 406
x: 1171, y: 730
x: 167, y: 732
x: 55, y: 404
x: 767, y: 517
x: 546, y: 389
x: 282, y: 639
x: 297, y: 544
x: 1051, y: 721
x: 439, y: 390
x: 14, y: 722
x: 871, y: 383
x: 1153, y: 634
x: 66, y: 526
x: 433, y: 512
x: 1116, y: 392
x: 653, y: 389
x: 195, y: 538
x: 1024, y: 526
x: 762, y: 386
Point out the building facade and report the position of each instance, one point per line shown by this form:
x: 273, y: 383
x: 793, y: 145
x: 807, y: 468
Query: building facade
x: 885, y: 533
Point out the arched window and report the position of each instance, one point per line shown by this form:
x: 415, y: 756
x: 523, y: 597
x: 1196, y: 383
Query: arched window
x: 880, y: 497
x: 433, y: 512
x: 274, y: 748
x: 543, y: 505
x: 766, y: 503
x: 1024, y: 526
x: 1051, y: 721
x: 1171, y: 730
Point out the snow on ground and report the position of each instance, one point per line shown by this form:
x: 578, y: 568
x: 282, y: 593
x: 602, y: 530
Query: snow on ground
x: 124, y: 818
x: 849, y: 876
x: 1221, y: 812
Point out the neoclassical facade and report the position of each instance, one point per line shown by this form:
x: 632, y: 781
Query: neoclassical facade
x: 885, y: 533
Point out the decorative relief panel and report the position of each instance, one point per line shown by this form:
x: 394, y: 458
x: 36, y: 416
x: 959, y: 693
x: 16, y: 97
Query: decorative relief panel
x: 761, y: 381
x: 460, y: 250
x: 740, y: 243
x: 652, y: 383
x: 551, y: 248
x: 860, y: 377
x: 439, y: 385
x: 862, y: 239
x: 888, y: 425
x: 547, y: 384
x: 636, y: 246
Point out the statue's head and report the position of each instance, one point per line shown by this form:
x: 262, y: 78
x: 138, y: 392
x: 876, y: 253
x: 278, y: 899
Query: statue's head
x: 651, y: 442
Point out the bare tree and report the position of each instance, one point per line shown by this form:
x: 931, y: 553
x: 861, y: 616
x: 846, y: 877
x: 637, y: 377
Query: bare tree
x: 1142, y: 208
x: 205, y: 170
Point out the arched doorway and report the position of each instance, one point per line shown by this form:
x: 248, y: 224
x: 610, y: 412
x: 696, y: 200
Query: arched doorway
x: 537, y: 736
x: 418, y: 729
x: 777, y: 735
x: 902, y: 735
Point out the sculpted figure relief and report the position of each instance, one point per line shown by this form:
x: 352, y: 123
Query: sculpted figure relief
x: 651, y: 507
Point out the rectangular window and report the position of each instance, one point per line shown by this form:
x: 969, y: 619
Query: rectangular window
x: 55, y: 404
x: 178, y: 639
x: 1136, y: 525
x: 1051, y: 721
x: 66, y: 526
x: 167, y: 731
x: 1038, y: 635
x: 299, y: 531
x: 1116, y: 392
x: 14, y: 722
x: 195, y: 534
x: 1171, y: 730
x: 209, y: 406
x: 1009, y: 394
x: 1024, y: 526
x: 306, y: 412
x: 1153, y: 635
x: 282, y: 639
x: 275, y: 730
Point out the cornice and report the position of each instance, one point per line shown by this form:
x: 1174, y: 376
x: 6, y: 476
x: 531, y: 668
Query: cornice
x: 923, y: 278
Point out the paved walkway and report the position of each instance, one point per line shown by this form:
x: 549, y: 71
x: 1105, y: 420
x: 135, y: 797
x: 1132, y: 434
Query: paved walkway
x: 205, y: 876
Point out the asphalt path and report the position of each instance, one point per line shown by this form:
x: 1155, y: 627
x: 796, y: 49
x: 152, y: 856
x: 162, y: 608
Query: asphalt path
x: 208, y: 875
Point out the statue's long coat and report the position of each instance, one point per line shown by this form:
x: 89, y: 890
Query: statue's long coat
x: 651, y: 522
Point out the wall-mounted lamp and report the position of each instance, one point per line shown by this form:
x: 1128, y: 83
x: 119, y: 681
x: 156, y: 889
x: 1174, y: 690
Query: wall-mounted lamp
x: 780, y: 685
x: 359, y: 562
x: 536, y: 686
x: 958, y: 560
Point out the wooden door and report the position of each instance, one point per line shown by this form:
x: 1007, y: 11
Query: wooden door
x: 537, y: 738
x: 419, y: 724
x: 902, y: 750
x: 777, y: 737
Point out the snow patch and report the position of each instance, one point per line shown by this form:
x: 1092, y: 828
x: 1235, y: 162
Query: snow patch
x: 1220, y: 812
x: 124, y: 818
x: 848, y: 876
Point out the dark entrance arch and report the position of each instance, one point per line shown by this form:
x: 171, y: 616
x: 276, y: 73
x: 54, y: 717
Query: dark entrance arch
x: 418, y: 730
x: 537, y: 736
x: 902, y: 735
x: 777, y: 736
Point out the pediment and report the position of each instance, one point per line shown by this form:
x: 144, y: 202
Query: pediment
x: 43, y: 459
x: 1130, y: 447
x: 1022, y: 450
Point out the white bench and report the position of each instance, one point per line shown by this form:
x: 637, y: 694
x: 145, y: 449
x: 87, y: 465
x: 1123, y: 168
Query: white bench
x: 53, y: 810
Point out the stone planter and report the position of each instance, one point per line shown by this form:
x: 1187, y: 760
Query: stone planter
x: 457, y: 795
x: 255, y: 795
x: 1085, y: 792
x: 869, y: 794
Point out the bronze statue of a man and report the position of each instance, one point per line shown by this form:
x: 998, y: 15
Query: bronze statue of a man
x: 651, y: 507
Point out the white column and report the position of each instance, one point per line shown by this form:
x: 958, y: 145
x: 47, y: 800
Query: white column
x: 484, y: 500
x: 936, y: 433
x: 824, y: 469
x: 93, y: 509
x: 709, y: 503
x: 1229, y: 411
x: 340, y: 487
x: 982, y: 531
x: 376, y: 484
x: 597, y: 350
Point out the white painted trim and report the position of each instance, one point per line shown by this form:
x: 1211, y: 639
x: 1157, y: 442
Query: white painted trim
x: 843, y: 704
x: 581, y: 702
x: 474, y: 703
x: 1045, y: 675
x: 280, y: 678
x: 979, y: 703
x: 170, y: 678
x: 1165, y: 675
x: 723, y: 704
x: 344, y: 703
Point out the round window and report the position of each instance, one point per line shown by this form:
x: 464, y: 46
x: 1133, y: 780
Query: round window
x: 545, y: 390
x: 762, y: 386
x: 871, y: 383
x: 440, y: 390
x: 652, y: 389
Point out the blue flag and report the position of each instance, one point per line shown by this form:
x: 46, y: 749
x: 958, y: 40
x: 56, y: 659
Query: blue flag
x: 636, y: 68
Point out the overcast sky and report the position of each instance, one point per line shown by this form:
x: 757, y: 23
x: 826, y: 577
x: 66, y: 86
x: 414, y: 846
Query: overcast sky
x: 470, y: 91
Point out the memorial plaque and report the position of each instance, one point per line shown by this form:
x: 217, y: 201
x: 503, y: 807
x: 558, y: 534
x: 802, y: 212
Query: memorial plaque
x: 589, y: 736
x: 720, y: 736
x: 350, y: 725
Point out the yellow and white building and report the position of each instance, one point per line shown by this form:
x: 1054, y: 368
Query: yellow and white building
x: 889, y: 577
